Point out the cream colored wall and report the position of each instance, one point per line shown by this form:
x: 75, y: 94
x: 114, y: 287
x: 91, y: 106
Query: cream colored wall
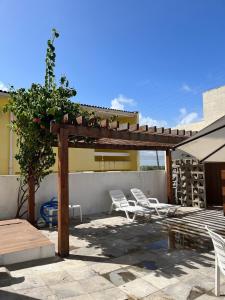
x: 79, y: 159
x: 213, y: 109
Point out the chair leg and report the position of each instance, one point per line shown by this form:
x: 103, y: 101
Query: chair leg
x: 217, y: 277
x: 157, y: 211
x: 111, y: 209
x: 81, y: 216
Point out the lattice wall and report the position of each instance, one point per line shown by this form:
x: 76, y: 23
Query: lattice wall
x: 189, y: 182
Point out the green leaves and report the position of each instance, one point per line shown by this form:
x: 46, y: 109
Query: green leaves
x: 34, y: 108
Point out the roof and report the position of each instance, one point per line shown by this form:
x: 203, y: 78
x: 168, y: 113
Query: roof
x: 4, y: 92
x: 95, y: 106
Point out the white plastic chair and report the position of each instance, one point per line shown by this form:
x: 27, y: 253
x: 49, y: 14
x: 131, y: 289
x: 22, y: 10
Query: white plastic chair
x: 219, y: 247
x: 74, y: 206
x: 120, y: 203
x: 153, y: 203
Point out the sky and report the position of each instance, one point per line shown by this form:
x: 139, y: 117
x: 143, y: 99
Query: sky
x: 151, y: 56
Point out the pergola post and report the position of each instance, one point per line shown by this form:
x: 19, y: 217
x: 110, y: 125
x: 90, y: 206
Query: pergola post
x: 169, y: 176
x: 31, y: 198
x: 63, y: 194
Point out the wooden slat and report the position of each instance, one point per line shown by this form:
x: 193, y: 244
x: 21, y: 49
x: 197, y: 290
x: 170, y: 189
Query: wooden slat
x: 160, y: 129
x: 174, y: 131
x: 113, y: 134
x: 152, y: 129
x: 66, y: 119
x: 134, y: 127
x: 181, y: 132
x: 79, y: 120
x: 143, y: 128
x: 104, y: 123
x: 118, y: 147
x: 167, y: 130
x: 114, y: 125
x: 122, y: 127
x: 19, y: 235
x: 193, y: 224
x: 188, y: 133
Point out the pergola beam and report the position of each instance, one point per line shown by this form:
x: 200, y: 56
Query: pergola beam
x: 98, y: 133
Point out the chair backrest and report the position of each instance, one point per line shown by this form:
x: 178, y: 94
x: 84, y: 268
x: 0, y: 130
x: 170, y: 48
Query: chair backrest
x: 118, y: 198
x: 219, y: 247
x: 139, y: 195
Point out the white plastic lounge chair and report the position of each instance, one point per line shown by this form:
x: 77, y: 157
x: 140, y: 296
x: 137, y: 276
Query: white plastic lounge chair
x: 120, y: 203
x: 160, y: 208
x: 219, y: 247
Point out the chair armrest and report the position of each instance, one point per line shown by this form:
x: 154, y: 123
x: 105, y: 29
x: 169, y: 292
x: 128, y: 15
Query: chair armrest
x: 132, y: 201
x: 153, y: 200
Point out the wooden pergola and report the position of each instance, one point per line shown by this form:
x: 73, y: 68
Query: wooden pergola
x: 106, y: 135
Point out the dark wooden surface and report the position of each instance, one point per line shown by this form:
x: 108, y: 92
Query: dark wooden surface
x: 214, y: 184
x: 63, y: 194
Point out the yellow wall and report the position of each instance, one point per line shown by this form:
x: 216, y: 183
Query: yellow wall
x: 4, y: 138
x: 79, y: 159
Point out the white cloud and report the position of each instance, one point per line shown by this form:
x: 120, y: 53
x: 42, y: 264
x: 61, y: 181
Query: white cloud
x: 3, y: 87
x: 143, y: 120
x: 186, y: 88
x: 121, y: 101
x: 186, y: 118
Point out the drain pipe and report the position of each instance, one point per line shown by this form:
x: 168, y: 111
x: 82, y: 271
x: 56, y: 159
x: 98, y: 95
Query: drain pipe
x: 11, y: 147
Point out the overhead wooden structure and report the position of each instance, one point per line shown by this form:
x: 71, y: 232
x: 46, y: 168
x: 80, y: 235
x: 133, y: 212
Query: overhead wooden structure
x: 105, y: 135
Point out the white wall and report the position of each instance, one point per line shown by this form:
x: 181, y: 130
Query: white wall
x: 88, y: 189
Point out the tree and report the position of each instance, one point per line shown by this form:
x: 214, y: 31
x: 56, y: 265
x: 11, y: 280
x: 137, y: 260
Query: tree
x: 34, y: 109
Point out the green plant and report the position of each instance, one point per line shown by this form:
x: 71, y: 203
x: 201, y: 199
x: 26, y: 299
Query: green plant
x: 34, y: 109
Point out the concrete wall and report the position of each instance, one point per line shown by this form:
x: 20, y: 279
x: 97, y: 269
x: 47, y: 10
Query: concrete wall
x: 213, y: 109
x: 88, y: 189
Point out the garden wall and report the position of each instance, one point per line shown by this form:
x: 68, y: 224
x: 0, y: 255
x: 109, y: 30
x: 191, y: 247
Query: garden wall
x: 86, y: 188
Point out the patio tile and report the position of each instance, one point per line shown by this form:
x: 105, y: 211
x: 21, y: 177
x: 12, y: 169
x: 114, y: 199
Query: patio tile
x: 160, y: 279
x: 138, y: 288
x: 68, y: 289
x: 82, y: 273
x: 110, y: 294
x: 191, y: 288
x: 95, y: 284
x: 179, y: 291
x: 103, y: 268
x: 29, y: 282
x: 158, y: 296
x: 41, y: 293
x: 120, y: 276
x: 77, y: 264
x: 138, y: 271
x: 209, y: 297
x: 56, y: 277
x: 127, y: 260
x: 81, y: 297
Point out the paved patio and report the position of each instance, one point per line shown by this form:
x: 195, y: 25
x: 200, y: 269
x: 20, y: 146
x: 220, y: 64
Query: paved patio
x: 116, y: 260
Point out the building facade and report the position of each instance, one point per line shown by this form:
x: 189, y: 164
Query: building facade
x: 79, y: 159
x: 213, y: 108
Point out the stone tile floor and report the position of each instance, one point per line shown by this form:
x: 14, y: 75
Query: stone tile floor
x: 112, y: 259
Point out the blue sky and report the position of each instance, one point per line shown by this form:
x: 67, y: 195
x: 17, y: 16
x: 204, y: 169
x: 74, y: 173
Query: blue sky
x: 155, y: 57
